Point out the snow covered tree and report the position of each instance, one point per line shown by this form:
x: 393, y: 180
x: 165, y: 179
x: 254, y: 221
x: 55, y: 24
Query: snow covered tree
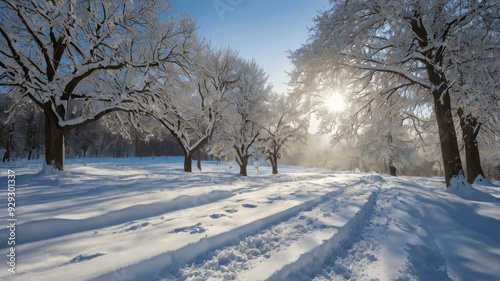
x: 50, y: 48
x: 238, y: 135
x: 385, y: 141
x: 285, y: 128
x: 376, y: 130
x: 475, y: 62
x: 192, y: 107
x: 408, y: 39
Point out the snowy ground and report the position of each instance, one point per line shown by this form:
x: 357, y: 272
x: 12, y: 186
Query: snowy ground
x: 133, y: 219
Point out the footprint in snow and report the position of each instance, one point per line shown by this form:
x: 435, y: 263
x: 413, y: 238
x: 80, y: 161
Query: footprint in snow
x: 249, y: 206
x: 81, y: 258
x: 272, y: 199
x: 232, y: 211
x: 216, y: 216
x: 135, y: 227
x: 197, y: 228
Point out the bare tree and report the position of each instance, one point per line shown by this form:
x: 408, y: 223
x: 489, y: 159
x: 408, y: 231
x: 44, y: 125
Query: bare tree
x: 238, y: 135
x: 49, y: 49
x: 191, y: 108
x: 285, y: 128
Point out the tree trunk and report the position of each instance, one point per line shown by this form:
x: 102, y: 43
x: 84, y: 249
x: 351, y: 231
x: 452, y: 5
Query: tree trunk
x: 442, y: 104
x: 392, y: 169
x: 188, y: 161
x: 447, y: 135
x: 6, y: 156
x: 198, y: 158
x: 243, y: 165
x: 472, y: 158
x: 274, y: 163
x: 54, y: 143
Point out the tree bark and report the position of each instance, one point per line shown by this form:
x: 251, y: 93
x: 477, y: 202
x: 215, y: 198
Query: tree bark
x: 442, y: 104
x: 447, y: 136
x: 54, y: 143
x: 470, y: 130
x: 392, y: 169
x: 6, y: 156
x: 274, y: 163
x: 243, y: 165
x: 188, y: 161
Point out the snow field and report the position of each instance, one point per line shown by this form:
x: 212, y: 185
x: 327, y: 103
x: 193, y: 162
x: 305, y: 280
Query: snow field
x: 143, y: 219
x: 130, y: 230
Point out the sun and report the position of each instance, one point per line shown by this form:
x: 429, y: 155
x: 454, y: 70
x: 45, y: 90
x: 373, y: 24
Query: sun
x: 335, y: 102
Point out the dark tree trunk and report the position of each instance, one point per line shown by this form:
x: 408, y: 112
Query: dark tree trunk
x: 188, y: 161
x: 442, y: 104
x: 447, y: 136
x: 54, y: 143
x: 274, y: 163
x: 30, y: 138
x: 392, y: 170
x: 198, y: 158
x: 470, y: 130
x: 243, y: 165
x: 6, y: 156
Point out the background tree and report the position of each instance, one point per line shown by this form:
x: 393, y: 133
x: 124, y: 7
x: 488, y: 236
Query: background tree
x: 20, y: 136
x: 385, y: 130
x: 192, y: 108
x: 285, y: 128
x: 238, y: 135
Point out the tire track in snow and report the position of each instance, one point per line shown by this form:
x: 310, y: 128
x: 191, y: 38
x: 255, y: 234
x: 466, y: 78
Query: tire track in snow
x: 312, y: 262
x: 360, y: 251
x: 391, y: 245
x: 155, y: 267
x: 289, y: 248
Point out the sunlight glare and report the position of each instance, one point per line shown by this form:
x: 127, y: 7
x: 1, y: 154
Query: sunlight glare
x: 335, y: 102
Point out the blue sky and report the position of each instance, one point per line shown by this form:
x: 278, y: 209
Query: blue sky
x: 259, y: 29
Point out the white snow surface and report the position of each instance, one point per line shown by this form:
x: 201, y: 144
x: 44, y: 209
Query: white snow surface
x: 145, y: 219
